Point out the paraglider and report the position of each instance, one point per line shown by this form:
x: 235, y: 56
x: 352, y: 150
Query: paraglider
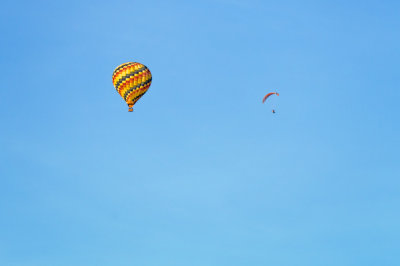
x: 131, y: 80
x: 267, y: 96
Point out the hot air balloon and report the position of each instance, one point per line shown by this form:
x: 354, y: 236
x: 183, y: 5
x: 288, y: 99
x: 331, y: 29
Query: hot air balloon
x: 131, y: 80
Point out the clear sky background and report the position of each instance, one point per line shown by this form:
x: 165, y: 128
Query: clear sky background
x: 201, y: 173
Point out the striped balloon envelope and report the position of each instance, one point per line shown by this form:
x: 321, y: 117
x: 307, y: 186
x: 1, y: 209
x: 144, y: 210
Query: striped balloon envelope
x: 131, y: 80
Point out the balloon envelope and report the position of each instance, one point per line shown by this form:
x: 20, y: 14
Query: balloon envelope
x: 131, y: 80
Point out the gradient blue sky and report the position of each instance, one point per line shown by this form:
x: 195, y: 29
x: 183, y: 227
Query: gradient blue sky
x: 201, y: 173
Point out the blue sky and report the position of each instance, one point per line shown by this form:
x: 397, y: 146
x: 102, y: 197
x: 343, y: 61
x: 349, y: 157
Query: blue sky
x: 201, y: 173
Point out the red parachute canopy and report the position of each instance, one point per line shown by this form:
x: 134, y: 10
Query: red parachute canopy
x: 269, y: 94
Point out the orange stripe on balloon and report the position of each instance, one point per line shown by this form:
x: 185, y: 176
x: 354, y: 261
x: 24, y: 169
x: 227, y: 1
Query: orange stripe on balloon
x: 123, y: 69
x: 140, y: 93
x: 126, y: 84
